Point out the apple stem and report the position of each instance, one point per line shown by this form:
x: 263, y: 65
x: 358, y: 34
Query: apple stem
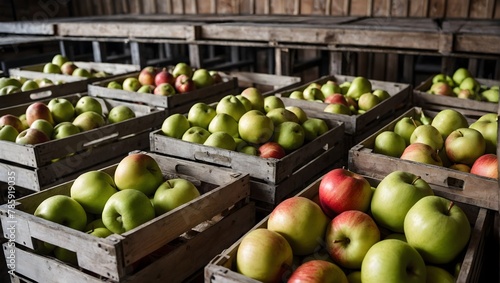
x: 450, y: 206
x: 415, y: 180
x: 413, y: 121
x: 168, y: 182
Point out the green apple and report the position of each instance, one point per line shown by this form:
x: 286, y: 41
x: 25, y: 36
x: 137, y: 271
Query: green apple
x: 114, y: 85
x: 174, y: 193
x: 88, y: 103
x: 389, y: 143
x: 62, y: 110
x: 182, y: 68
x: 439, y: 78
x: 92, y: 190
x: 358, y: 87
x: 10, y: 89
x: 246, y: 102
x: 59, y: 59
x: 29, y: 85
x: 467, y: 94
x: 249, y: 149
x: 201, y: 114
x: 10, y: 82
x: 164, y: 89
x: 313, y: 94
x: 465, y: 145
x: 299, y: 112
x: 131, y: 84
x: 8, y: 133
x: 313, y: 128
x: 471, y: 84
x: 88, y: 121
x: 437, y: 274
x: 232, y: 106
x: 221, y: 140
x: 381, y: 94
x: 44, y: 82
x: 43, y: 126
x: 255, y: 127
x: 337, y: 108
x: 329, y: 88
x: 202, y: 78
x: 63, y: 210
x: 344, y: 87
x: 223, y: 122
x: 280, y: 115
x: 272, y: 102
x: 146, y: 89
x: 120, y: 113
x: 65, y: 255
x: 100, y: 232
x: 81, y: 72
x: 138, y: 171
x: 196, y: 134
x: 367, y: 101
x: 429, y: 135
x: 393, y: 261
x: 296, y: 94
x: 255, y: 96
x: 441, y: 88
x: 24, y: 123
x: 64, y: 129
x: 405, y: 127
x: 175, y: 125
x: 460, y: 74
x: 490, y: 95
x: 423, y: 153
x: 448, y: 120
x: 50, y: 68
x: 126, y: 210
x: 395, y: 195
x: 289, y: 135
x: 94, y: 224
x: 437, y: 228
x: 487, y: 125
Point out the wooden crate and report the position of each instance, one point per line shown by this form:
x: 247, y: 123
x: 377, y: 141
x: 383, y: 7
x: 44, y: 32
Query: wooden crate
x: 222, y: 267
x: 267, y: 84
x: 358, y: 124
x: 208, y: 94
x: 119, y: 258
x: 460, y: 186
x: 468, y: 107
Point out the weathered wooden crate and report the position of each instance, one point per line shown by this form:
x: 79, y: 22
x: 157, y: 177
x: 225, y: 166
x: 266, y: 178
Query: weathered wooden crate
x: 168, y: 248
x: 457, y: 185
x: 222, y: 267
x: 358, y: 124
x: 208, y: 94
x: 468, y: 107
x: 267, y: 84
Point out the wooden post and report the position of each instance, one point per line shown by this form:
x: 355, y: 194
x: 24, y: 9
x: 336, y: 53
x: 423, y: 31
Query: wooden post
x: 99, y: 50
x: 283, y: 62
x: 473, y: 66
x: 137, y: 54
x: 66, y: 49
x: 194, y: 56
x: 408, y: 69
x: 336, y: 63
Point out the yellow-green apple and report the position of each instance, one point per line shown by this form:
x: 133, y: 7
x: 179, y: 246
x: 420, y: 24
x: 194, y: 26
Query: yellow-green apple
x: 395, y: 195
x: 65, y: 255
x: 147, y: 75
x: 202, y: 78
x: 448, y: 120
x: 127, y: 209
x: 59, y: 59
x: 437, y: 228
x: 14, y: 121
x: 201, y: 114
x: 216, y: 76
x: 24, y: 123
x: 175, y: 125
x: 382, y: 94
x: 354, y: 276
x: 10, y: 81
x: 460, y: 167
x: 100, y: 232
x: 428, y: 135
x: 465, y: 145
x: 232, y: 106
x: 31, y: 136
x: 389, y: 143
x: 29, y: 85
x: 8, y: 133
x: 264, y: 255
x: 43, y: 126
x: 359, y: 86
x: 81, y: 72
x: 341, y: 190
x: 164, y: 76
x: 487, y: 125
x: 290, y: 135
x: 86, y: 104
x: 423, y: 153
x: 173, y: 193
x: 249, y: 149
x: 138, y: 171
x: 367, y: 101
x: 62, y: 110
x: 441, y: 88
x: 302, y: 222
x: 88, y: 121
x: 436, y: 274
x: 164, y: 89
x: 94, y: 224
x: 344, y: 87
x: 63, y: 210
x: 92, y: 190
x: 68, y: 68
x: 336, y: 98
x: 280, y: 115
x: 146, y: 89
x: 313, y: 128
x: 245, y: 101
x: 184, y: 84
x: 486, y: 165
x: 255, y: 127
x: 44, y: 82
x: 490, y: 95
x: 296, y: 94
x: 460, y: 74
x: 64, y: 129
x: 196, y: 134
x: 255, y: 96
x: 349, y: 236
x: 314, y: 85
x: 393, y: 261
x: 313, y: 94
x: 50, y: 68
x: 182, y: 68
x: 120, y: 113
x: 131, y: 84
x: 337, y: 108
x: 466, y: 94
x: 114, y: 85
x: 318, y: 271
x: 471, y: 84
x: 38, y: 110
x: 329, y: 88
x: 221, y: 140
x: 271, y: 150
x: 272, y: 102
x: 299, y: 112
x: 10, y: 89
x: 223, y: 122
x: 405, y: 127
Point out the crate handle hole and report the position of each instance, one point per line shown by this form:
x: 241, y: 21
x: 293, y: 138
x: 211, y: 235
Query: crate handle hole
x: 101, y: 140
x: 41, y: 94
x: 454, y: 183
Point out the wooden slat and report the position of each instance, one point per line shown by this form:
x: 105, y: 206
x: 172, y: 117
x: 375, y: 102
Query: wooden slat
x: 419, y: 8
x: 437, y: 8
x: 457, y: 8
x: 340, y: 8
x: 482, y: 9
x: 149, y: 6
x: 381, y: 8
x: 359, y: 8
x: 400, y: 8
x: 496, y: 14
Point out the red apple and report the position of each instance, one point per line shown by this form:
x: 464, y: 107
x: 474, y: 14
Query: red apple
x: 336, y: 98
x: 423, y: 153
x: 318, y: 271
x: 164, y: 76
x: 486, y: 166
x: 271, y: 150
x: 184, y: 84
x: 31, y: 136
x: 38, y: 110
x: 216, y: 77
x: 147, y: 76
x: 14, y: 121
x: 341, y: 190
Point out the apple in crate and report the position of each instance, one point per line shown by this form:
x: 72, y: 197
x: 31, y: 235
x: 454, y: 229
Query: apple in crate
x: 216, y: 76
x: 448, y: 120
x: 146, y: 89
x: 164, y: 89
x: 486, y: 166
x: 232, y: 106
x: 255, y: 96
x: 43, y: 126
x: 86, y: 104
x: 175, y: 125
x: 367, y: 101
x: 38, y: 110
x: 299, y: 112
x: 302, y: 222
x: 318, y: 271
x: 223, y: 122
x: 182, y: 68
x: 271, y: 150
x: 264, y: 255
x: 423, y: 153
x: 341, y: 190
x: 14, y: 121
x: 296, y: 94
x: 358, y: 87
x: 389, y: 143
x: 280, y: 115
x: 164, y: 76
x: 337, y: 108
x: 429, y: 135
x: 120, y: 113
x: 396, y: 193
x: 131, y: 84
x: 272, y: 102
x: 173, y: 193
x: 255, y: 127
x: 196, y: 134
x: 62, y: 110
x: 437, y: 228
x: 92, y: 190
x: 80, y: 72
x: 8, y: 133
x: 289, y: 135
x: 184, y: 84
x: 465, y: 145
x: 245, y: 101
x: 31, y: 136
x: 336, y: 98
x: 51, y: 68
x: 63, y: 210
x: 405, y: 128
x: 349, y: 236
x: 147, y: 75
x: 487, y: 125
x: 59, y: 60
x: 64, y: 129
x: 437, y: 274
x: 68, y: 68
x: 393, y: 261
x: 202, y: 78
x: 88, y: 121
x: 221, y: 140
x: 29, y: 85
x: 138, y: 171
x: 201, y: 114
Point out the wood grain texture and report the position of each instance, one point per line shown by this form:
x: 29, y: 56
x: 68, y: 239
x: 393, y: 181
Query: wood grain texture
x: 437, y: 8
x: 381, y: 8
